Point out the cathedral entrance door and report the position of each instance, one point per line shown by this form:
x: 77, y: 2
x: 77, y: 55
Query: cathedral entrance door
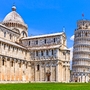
x: 76, y: 79
x: 48, y: 75
x: 48, y: 78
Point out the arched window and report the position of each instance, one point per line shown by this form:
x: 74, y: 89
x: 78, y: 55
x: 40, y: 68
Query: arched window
x: 4, y: 34
x: 12, y: 63
x: 3, y: 62
x: 46, y: 52
x: 63, y: 53
x: 29, y: 42
x: 4, y: 46
x: 26, y: 65
x: 54, y: 40
x: 45, y: 41
x: 52, y: 52
x: 36, y: 53
x: 38, y: 67
x: 41, y: 53
x: 24, y: 34
x: 86, y: 34
x: 36, y: 41
x: 8, y: 48
x: 20, y: 65
x: 13, y: 48
x: 79, y: 34
x: 10, y: 36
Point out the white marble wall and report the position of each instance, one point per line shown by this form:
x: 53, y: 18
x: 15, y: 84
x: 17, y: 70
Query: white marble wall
x: 53, y: 40
x: 8, y: 34
x: 12, y: 51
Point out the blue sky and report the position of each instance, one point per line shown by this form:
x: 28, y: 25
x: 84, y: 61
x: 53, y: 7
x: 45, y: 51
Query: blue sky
x: 48, y: 16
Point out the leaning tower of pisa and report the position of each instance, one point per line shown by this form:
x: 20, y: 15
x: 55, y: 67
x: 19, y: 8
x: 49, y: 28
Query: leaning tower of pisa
x: 81, y: 52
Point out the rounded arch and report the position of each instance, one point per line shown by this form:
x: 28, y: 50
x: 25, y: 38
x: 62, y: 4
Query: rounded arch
x: 16, y: 30
x: 23, y: 34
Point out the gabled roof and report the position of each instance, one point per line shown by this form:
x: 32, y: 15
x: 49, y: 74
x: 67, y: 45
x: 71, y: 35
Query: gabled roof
x: 43, y: 36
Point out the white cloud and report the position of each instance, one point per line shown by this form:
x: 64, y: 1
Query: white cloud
x: 72, y: 38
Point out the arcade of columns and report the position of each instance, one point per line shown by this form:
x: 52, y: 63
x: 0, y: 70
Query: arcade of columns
x: 12, y: 69
x: 50, y: 71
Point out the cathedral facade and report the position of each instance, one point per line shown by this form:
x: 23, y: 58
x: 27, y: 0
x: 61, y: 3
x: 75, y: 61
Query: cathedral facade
x: 31, y: 59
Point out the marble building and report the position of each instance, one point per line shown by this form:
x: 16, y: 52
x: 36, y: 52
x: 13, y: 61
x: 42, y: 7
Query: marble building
x: 81, y: 52
x: 31, y: 59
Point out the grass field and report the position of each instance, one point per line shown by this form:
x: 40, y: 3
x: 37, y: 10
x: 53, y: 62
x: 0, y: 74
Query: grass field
x: 46, y: 86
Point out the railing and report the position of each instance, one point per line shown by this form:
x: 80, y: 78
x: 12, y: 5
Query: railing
x: 43, y: 58
x: 81, y: 57
x: 49, y: 58
x: 81, y: 65
x: 81, y: 50
x: 82, y: 43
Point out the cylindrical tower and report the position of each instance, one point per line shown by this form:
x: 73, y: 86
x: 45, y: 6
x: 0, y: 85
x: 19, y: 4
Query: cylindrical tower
x: 81, y: 52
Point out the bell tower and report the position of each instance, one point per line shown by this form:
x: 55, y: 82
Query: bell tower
x: 81, y: 52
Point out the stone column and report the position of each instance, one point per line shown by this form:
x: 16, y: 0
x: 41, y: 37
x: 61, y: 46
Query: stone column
x: 22, y: 70
x: 40, y: 72
x: 0, y: 68
x: 87, y: 78
x: 18, y: 70
x: 6, y: 68
x: 35, y: 72
x: 81, y: 78
x: 62, y: 73
x: 10, y: 73
x: 29, y: 70
x: 57, y: 54
x: 66, y: 73
x: 57, y: 72
x: 10, y: 67
x: 15, y: 69
x: 51, y: 71
x: 45, y: 72
x: 25, y: 69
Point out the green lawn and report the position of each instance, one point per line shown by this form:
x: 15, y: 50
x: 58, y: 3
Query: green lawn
x: 46, y: 86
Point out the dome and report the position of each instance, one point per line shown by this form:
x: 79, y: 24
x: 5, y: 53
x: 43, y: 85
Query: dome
x: 13, y: 17
x: 14, y: 20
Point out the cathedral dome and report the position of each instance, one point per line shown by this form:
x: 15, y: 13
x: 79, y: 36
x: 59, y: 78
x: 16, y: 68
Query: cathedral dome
x: 13, y: 17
